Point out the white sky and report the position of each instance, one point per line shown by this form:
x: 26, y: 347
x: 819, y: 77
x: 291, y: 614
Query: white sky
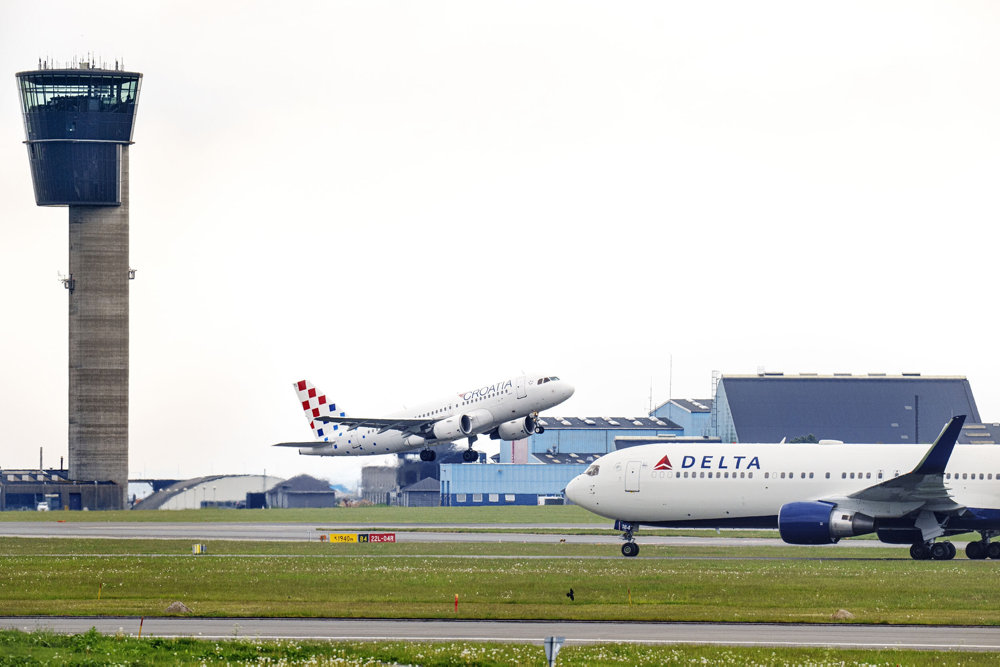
x: 400, y: 200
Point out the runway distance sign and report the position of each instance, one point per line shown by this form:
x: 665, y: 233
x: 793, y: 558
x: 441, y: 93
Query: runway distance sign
x: 352, y: 538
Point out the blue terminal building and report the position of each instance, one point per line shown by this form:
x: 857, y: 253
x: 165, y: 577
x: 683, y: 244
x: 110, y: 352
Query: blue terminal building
x: 78, y: 124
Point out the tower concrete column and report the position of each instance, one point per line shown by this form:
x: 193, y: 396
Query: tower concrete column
x: 98, y: 340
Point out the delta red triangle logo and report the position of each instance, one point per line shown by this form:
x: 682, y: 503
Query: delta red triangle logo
x: 664, y: 464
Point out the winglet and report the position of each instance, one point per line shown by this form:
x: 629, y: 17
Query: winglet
x: 936, y: 459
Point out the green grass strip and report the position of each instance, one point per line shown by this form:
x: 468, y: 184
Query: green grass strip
x: 504, y: 582
x: 18, y: 648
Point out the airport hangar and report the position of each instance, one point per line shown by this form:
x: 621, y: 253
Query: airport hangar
x: 766, y: 407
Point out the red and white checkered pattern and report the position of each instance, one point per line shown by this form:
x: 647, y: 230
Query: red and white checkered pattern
x: 314, y: 404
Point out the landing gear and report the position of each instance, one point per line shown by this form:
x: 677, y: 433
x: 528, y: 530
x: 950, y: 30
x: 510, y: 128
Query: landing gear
x: 976, y: 550
x: 427, y: 455
x: 933, y: 550
x: 539, y: 429
x: 470, y: 454
x: 983, y: 548
x: 630, y: 548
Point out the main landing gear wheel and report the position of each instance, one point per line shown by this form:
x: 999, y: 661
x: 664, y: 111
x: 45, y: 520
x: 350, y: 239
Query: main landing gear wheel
x: 943, y: 551
x: 427, y: 455
x: 630, y: 549
x: 983, y: 548
x: 976, y: 550
x: 935, y: 550
x: 470, y: 454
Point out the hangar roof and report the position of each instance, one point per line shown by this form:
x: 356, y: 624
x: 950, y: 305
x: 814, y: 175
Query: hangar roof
x: 875, y: 408
x: 607, y: 423
x: 980, y: 434
x: 689, y: 404
x: 546, y: 457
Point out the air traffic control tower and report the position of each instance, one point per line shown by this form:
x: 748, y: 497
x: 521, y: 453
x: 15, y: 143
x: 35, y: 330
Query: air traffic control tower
x: 78, y: 122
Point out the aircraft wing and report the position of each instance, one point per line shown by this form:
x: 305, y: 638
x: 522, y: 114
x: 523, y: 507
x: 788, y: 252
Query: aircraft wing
x: 923, y: 487
x: 403, y: 424
x: 311, y: 443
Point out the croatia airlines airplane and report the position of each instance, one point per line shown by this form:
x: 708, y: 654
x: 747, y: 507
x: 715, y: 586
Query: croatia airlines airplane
x: 506, y: 410
x: 813, y: 493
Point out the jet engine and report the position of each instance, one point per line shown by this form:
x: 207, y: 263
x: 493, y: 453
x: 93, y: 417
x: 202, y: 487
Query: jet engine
x: 450, y: 428
x: 516, y: 429
x: 820, y: 523
x: 476, y: 421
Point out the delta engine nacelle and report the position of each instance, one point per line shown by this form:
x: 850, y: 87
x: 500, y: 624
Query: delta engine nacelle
x: 517, y: 429
x: 820, y: 523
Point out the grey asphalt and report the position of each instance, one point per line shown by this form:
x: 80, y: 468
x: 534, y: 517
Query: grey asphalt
x: 300, y: 532
x: 535, y: 632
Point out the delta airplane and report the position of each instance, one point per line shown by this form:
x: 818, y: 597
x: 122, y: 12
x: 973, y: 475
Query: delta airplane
x: 506, y: 410
x: 813, y: 493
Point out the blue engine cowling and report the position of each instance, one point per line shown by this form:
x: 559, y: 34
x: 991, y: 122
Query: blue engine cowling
x: 819, y: 522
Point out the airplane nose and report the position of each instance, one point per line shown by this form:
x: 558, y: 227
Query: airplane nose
x: 574, y: 490
x: 568, y: 390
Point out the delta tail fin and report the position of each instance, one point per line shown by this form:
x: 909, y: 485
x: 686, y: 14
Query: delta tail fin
x: 315, y: 404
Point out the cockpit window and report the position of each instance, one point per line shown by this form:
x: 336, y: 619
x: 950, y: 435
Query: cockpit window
x: 593, y: 470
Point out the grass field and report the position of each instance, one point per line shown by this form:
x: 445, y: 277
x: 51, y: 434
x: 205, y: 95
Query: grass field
x: 142, y: 577
x: 493, y: 580
x: 18, y: 648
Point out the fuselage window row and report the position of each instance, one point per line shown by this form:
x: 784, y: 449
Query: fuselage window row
x: 843, y: 475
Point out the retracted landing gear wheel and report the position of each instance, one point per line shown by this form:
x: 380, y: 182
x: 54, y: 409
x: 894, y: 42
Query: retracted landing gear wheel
x: 630, y: 549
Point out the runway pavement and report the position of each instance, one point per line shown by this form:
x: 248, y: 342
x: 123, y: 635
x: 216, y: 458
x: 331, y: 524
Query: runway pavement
x: 302, y: 532
x: 727, y: 634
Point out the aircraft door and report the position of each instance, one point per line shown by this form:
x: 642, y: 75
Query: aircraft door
x: 632, y: 476
x: 522, y: 387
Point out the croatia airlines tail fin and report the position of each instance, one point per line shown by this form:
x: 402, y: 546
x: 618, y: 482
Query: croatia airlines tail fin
x: 315, y: 404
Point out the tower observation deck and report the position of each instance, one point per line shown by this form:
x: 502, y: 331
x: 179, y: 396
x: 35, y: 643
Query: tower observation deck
x: 78, y: 123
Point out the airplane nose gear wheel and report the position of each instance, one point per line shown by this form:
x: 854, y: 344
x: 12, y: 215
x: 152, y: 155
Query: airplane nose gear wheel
x: 630, y: 549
